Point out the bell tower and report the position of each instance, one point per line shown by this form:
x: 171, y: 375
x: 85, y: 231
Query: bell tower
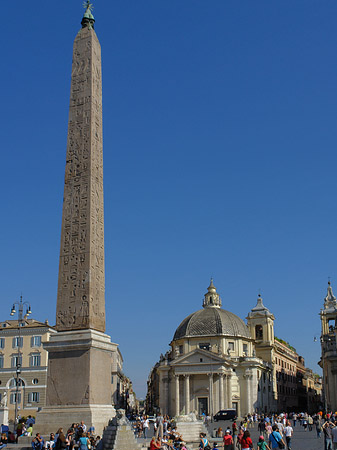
x: 328, y: 360
x: 260, y: 322
x: 261, y: 325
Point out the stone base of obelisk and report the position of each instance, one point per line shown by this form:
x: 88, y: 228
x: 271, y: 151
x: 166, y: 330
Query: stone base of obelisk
x: 79, y: 384
x: 51, y: 418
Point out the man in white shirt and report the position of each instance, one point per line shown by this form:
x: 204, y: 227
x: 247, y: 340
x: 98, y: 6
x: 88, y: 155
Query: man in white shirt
x: 288, y: 432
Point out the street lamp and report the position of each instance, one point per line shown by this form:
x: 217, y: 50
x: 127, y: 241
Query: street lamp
x: 20, y: 306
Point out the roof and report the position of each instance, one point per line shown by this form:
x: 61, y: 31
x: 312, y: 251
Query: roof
x: 212, y: 322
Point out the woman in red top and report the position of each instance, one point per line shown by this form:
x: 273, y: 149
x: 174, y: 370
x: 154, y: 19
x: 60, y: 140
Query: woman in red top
x: 246, y: 442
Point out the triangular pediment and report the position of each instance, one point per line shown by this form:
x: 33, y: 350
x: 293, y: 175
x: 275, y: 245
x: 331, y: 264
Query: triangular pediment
x: 200, y: 357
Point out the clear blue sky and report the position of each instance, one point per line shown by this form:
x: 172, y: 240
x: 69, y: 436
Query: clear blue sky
x: 219, y: 160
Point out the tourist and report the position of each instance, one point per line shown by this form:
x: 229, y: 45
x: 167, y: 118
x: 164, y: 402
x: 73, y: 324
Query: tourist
x: 228, y: 441
x: 262, y: 444
x: 146, y: 426
x: 334, y: 436
x: 288, y: 432
x: 51, y: 443
x: 239, y: 438
x: 4, y: 429
x: 318, y: 425
x: 61, y: 442
x: 204, y: 444
x: 155, y: 444
x: 305, y: 423
x: 160, y: 428
x: 30, y: 421
x: 327, y: 430
x: 275, y: 438
x: 3, y: 441
x: 219, y: 433
x: 37, y: 442
x: 83, y: 442
x: 11, y: 437
x: 246, y: 441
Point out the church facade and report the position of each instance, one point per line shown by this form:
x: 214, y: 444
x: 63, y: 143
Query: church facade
x: 217, y: 361
x: 213, y: 363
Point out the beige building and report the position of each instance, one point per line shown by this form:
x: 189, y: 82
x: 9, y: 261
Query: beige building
x: 28, y: 351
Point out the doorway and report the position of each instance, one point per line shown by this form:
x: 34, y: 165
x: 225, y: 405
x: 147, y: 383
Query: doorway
x: 202, y: 406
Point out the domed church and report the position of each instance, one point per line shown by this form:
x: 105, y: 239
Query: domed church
x: 212, y: 363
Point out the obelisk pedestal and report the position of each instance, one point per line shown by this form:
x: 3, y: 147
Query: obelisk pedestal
x: 80, y: 355
x: 79, y: 381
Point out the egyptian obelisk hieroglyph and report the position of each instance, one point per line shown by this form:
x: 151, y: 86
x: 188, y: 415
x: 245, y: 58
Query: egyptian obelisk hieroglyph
x: 80, y: 296
x: 80, y: 354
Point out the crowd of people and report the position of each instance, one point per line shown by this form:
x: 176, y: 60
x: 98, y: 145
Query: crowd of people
x: 275, y: 431
x: 78, y: 437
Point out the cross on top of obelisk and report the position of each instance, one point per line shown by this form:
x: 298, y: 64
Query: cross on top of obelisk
x: 87, y: 5
x: 88, y: 19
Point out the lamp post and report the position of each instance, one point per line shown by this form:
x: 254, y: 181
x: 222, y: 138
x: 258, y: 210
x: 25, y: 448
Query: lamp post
x: 20, y: 306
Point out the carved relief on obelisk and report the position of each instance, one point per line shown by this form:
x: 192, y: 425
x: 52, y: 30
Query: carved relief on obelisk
x: 81, y: 284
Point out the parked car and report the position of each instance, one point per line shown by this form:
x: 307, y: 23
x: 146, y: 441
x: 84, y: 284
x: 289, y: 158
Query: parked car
x: 225, y: 414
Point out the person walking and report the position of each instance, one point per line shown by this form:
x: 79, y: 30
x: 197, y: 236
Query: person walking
x: 334, y: 436
x: 275, y: 437
x: 228, y: 442
x: 246, y: 441
x: 146, y: 426
x: 327, y: 430
x: 288, y: 432
x: 159, y: 422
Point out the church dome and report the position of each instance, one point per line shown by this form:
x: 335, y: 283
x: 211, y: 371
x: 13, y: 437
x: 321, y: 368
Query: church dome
x: 212, y: 320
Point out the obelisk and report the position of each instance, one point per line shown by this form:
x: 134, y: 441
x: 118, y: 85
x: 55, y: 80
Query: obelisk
x: 80, y: 354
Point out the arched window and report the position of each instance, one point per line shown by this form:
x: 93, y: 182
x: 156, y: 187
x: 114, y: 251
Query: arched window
x: 259, y: 332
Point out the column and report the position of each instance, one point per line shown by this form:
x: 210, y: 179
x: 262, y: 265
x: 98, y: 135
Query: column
x: 177, y: 396
x: 187, y: 394
x: 210, y: 406
x: 229, y: 390
x: 221, y: 395
x: 248, y: 392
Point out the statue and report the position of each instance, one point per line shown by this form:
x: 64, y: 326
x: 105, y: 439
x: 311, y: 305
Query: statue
x: 3, y: 402
x: 121, y: 418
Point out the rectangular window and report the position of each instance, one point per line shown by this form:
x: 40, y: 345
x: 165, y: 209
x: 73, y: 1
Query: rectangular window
x: 1, y: 362
x: 231, y: 346
x: 181, y: 349
x: 2, y: 342
x: 34, y: 397
x: 13, y: 398
x: 17, y: 342
x: 16, y: 360
x: 245, y: 349
x: 36, y: 341
x: 35, y: 360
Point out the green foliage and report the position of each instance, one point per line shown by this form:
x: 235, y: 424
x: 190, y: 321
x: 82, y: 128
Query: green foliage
x: 286, y: 344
